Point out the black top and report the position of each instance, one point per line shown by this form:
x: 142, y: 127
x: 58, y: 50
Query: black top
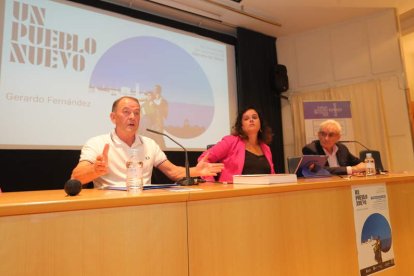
x: 255, y: 164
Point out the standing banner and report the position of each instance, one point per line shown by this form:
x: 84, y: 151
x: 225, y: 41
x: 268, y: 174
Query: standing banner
x: 315, y: 112
x: 372, y: 228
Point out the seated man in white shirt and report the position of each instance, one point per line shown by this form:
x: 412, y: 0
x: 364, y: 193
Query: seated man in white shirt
x: 103, y: 158
x: 340, y: 160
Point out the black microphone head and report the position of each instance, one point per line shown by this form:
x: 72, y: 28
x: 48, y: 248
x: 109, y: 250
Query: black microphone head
x: 73, y: 187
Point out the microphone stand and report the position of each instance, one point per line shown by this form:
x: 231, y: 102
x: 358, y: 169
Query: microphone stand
x: 187, y: 180
x: 354, y: 141
x: 375, y: 154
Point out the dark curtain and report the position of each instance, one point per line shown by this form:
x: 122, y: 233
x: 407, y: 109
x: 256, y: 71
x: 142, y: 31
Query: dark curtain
x: 28, y: 170
x: 256, y: 62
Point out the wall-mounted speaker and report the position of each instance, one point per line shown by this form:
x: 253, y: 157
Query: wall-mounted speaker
x: 281, y: 81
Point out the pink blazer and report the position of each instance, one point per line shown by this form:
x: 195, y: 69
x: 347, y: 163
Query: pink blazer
x: 231, y: 152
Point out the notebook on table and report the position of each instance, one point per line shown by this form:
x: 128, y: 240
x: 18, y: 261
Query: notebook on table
x: 146, y: 187
x: 312, y: 166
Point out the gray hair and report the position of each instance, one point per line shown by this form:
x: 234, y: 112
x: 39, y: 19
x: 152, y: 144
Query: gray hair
x: 331, y: 123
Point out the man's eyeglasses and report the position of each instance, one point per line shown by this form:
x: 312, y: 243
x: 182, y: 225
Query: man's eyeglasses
x: 329, y: 134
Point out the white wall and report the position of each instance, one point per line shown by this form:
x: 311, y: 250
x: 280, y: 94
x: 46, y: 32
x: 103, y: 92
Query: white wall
x: 352, y: 52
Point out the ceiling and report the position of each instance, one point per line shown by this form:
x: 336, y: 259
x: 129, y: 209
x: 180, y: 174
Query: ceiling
x: 272, y: 17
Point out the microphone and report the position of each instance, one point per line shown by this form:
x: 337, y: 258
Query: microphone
x: 73, y: 187
x: 187, y: 180
x: 375, y: 154
x: 354, y: 141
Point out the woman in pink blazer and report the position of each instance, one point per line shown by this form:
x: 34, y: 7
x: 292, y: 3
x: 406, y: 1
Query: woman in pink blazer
x: 246, y: 150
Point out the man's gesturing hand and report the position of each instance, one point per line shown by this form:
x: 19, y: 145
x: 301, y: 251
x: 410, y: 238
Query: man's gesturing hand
x: 101, y: 164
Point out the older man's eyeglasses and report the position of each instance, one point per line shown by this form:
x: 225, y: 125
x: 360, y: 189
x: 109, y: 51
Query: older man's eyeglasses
x: 329, y: 134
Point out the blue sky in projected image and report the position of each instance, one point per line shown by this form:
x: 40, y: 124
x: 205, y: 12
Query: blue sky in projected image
x: 377, y: 225
x: 149, y: 61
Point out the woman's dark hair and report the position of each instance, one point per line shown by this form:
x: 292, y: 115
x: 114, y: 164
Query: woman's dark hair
x: 265, y: 133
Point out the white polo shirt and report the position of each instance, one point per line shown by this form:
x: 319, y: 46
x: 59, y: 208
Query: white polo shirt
x: 118, y: 154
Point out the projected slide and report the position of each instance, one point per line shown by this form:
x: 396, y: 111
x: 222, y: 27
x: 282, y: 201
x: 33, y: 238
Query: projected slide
x: 62, y: 66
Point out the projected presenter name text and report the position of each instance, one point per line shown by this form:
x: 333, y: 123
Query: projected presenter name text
x: 33, y: 43
x: 47, y: 100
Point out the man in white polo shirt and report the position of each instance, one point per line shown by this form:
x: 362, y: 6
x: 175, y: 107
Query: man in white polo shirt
x: 103, y: 158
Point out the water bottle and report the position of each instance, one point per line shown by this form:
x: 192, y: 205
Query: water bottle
x: 369, y: 165
x: 134, y: 179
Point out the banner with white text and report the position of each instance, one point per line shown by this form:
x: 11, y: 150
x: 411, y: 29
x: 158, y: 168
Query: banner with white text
x: 315, y: 112
x: 372, y: 228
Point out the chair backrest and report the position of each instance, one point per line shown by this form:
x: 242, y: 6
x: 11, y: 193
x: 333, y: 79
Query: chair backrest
x: 293, y: 162
x: 377, y: 157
